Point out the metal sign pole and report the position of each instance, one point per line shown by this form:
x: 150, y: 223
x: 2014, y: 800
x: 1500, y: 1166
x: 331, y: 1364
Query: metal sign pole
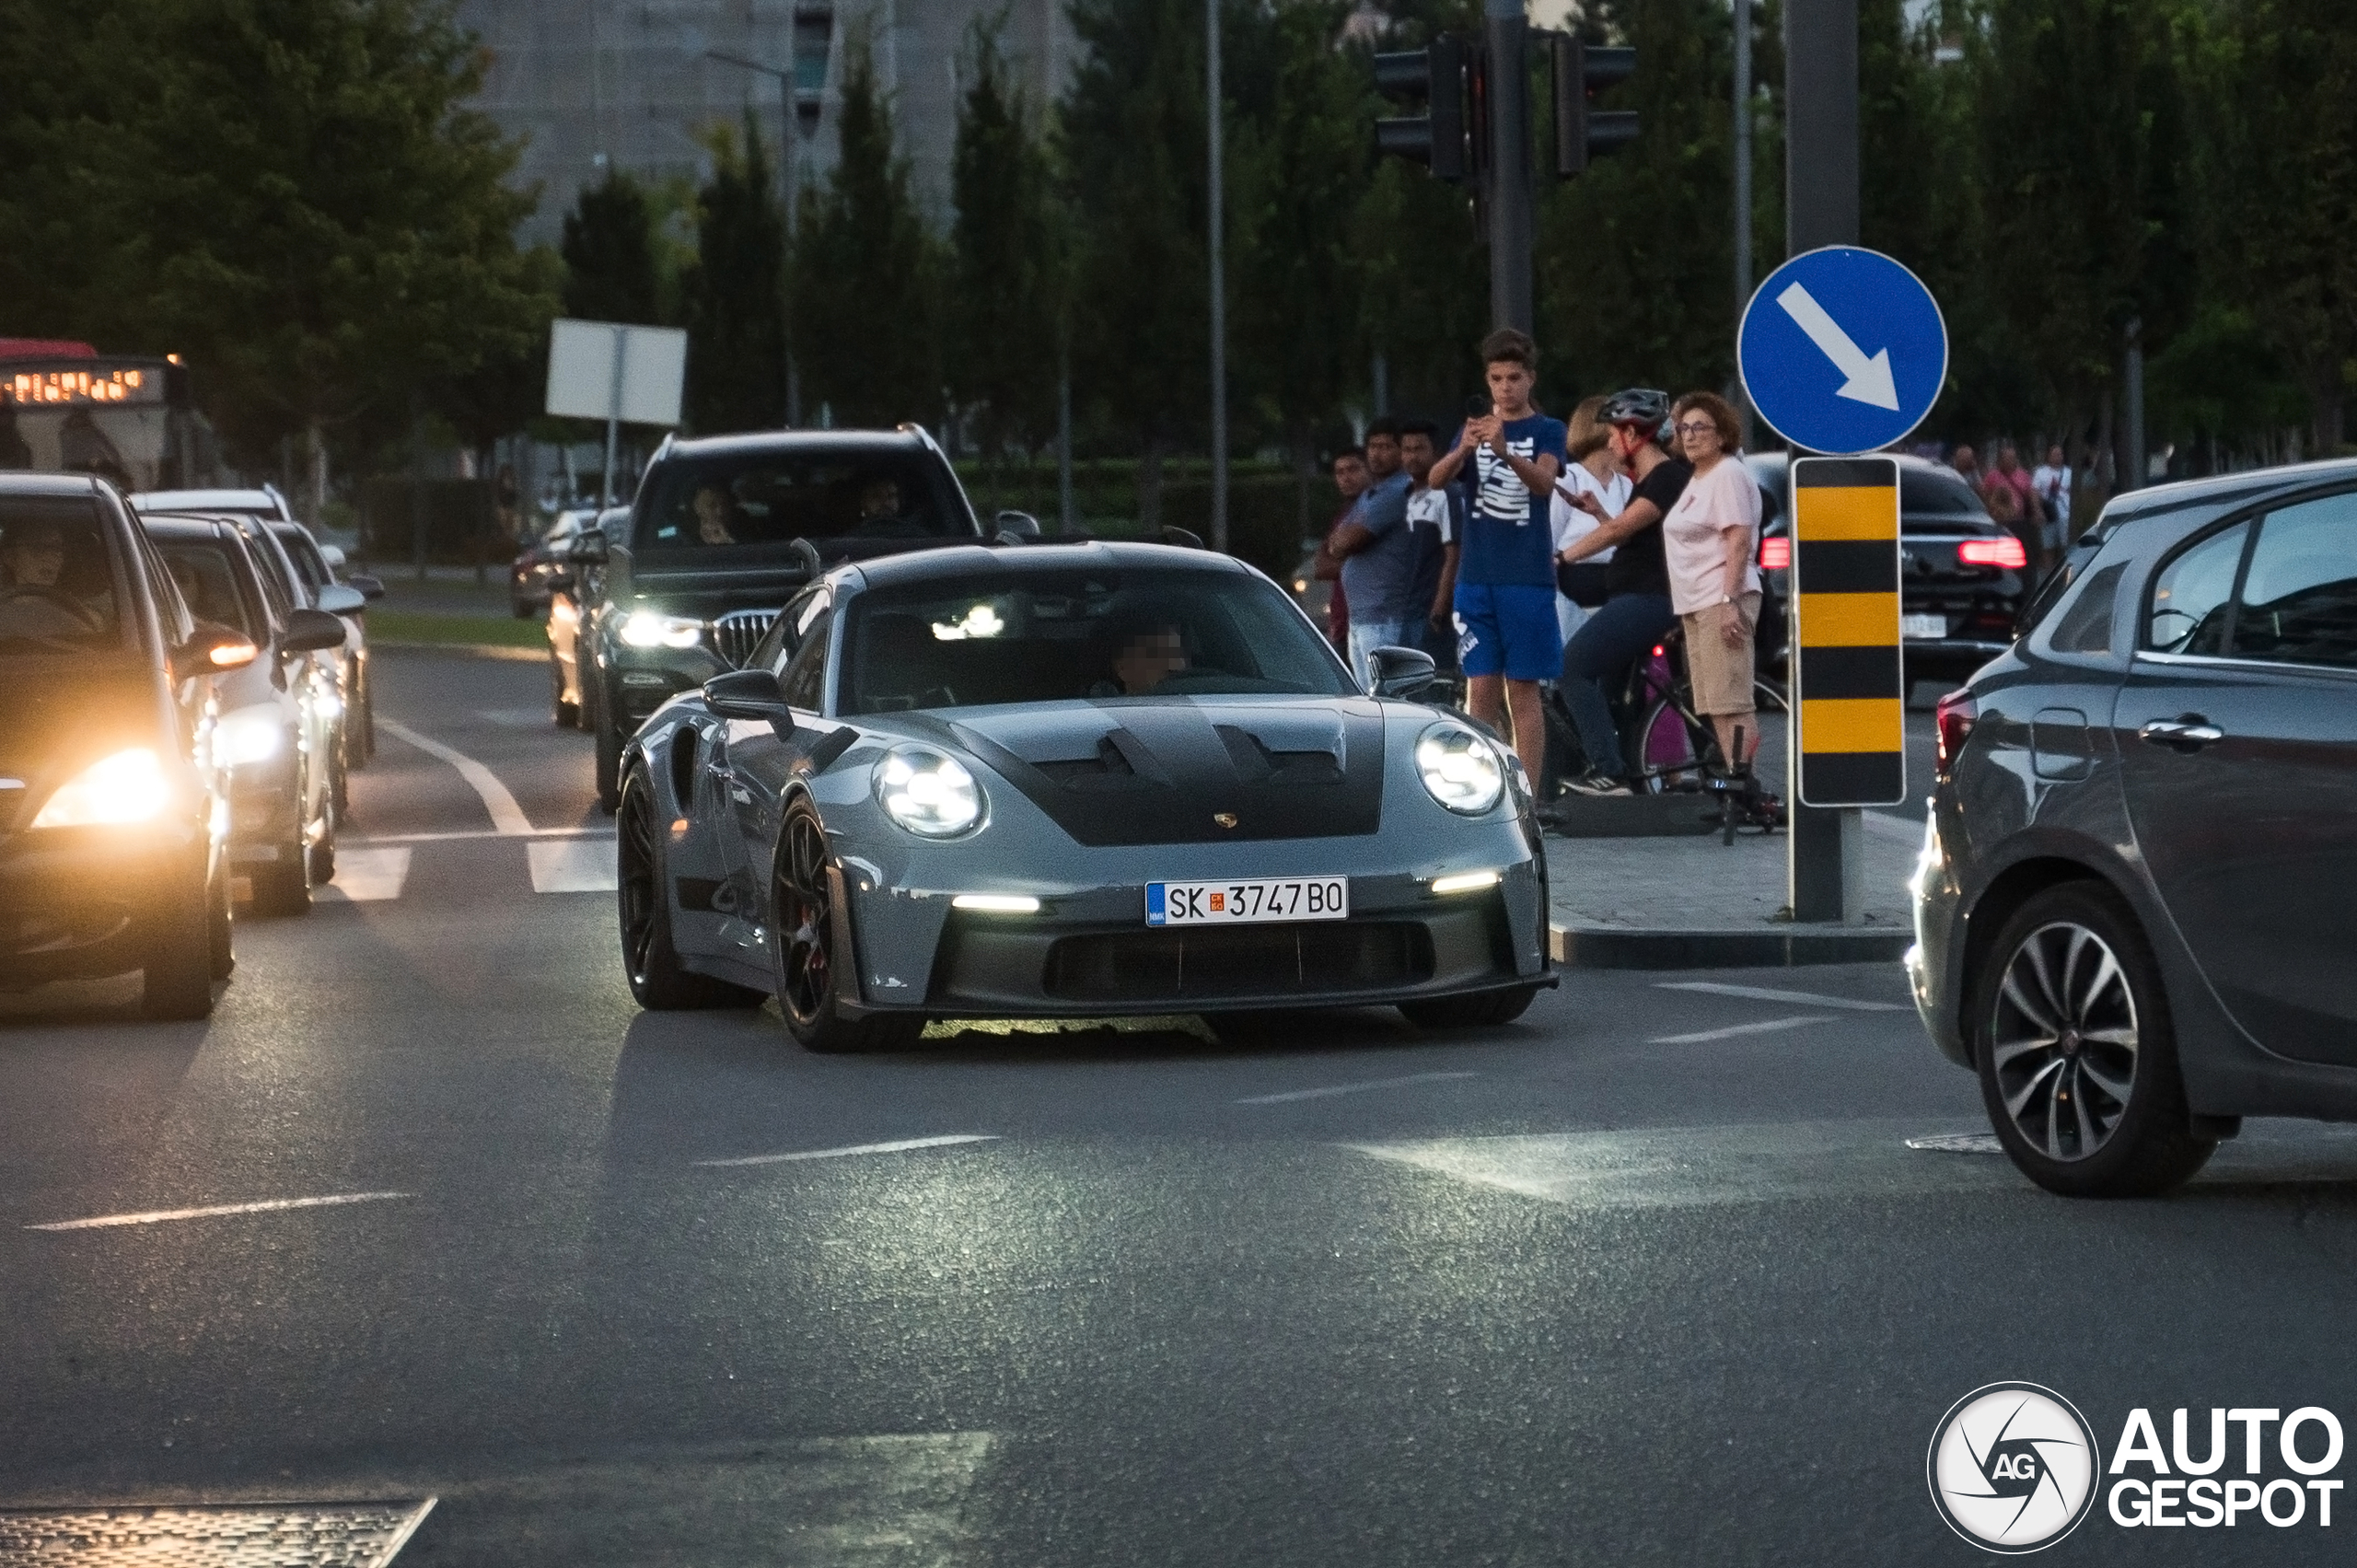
x: 1821, y: 208
x: 1508, y: 79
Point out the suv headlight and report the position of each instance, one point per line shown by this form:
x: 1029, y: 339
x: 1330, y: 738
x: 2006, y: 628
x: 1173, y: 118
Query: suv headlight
x: 129, y: 786
x: 1460, y: 770
x: 248, y: 734
x: 649, y: 629
x: 931, y: 795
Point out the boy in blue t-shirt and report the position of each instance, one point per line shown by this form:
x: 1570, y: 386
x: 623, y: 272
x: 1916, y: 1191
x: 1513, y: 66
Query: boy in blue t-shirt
x: 1507, y: 638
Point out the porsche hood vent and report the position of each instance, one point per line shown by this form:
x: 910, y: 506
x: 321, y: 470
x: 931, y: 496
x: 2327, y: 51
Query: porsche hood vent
x: 1199, y: 772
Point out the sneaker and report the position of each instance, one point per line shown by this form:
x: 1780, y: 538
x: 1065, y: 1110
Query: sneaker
x: 1597, y: 784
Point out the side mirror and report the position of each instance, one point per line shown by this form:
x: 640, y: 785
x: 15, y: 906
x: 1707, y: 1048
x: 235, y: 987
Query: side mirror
x: 309, y: 631
x: 589, y: 547
x: 370, y: 588
x: 213, y: 649
x: 1404, y: 673
x: 750, y: 694
x: 332, y: 554
x: 1016, y: 528
x: 341, y: 599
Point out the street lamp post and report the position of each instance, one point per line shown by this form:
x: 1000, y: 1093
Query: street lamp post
x: 1218, y: 280
x: 791, y: 134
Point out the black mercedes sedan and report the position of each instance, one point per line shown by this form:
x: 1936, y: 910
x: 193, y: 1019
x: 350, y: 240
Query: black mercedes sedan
x: 722, y: 533
x: 114, y: 799
x: 2130, y: 912
x: 1963, y: 575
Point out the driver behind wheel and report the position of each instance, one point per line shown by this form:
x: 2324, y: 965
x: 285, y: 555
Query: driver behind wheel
x: 35, y: 601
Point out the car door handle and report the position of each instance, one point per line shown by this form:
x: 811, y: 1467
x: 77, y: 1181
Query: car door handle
x: 2188, y: 733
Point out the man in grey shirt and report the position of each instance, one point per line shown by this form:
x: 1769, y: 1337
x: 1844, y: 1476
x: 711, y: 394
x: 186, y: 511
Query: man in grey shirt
x: 1378, y: 553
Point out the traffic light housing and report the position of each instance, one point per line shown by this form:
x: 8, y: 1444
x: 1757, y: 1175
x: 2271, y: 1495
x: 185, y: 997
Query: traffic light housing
x: 1435, y: 75
x: 1580, y: 71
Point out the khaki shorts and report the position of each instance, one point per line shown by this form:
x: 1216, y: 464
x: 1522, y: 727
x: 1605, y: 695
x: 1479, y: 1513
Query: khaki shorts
x: 1722, y: 674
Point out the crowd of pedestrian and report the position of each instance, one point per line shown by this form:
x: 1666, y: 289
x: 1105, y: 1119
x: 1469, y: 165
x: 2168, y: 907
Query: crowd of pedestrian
x: 2033, y: 504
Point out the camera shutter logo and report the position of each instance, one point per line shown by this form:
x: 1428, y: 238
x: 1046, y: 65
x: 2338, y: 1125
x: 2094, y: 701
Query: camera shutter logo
x: 2012, y: 1468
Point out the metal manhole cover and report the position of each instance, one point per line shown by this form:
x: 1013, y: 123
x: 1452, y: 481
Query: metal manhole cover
x: 1959, y: 1144
x: 290, y: 1535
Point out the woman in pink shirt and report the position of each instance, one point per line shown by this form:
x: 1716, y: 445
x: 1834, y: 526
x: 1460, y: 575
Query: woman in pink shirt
x: 1710, y: 540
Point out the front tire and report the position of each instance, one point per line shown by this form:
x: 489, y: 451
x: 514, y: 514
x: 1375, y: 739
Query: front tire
x: 283, y: 887
x: 609, y: 745
x: 1487, y: 1010
x: 219, y: 929
x: 802, y: 904
x: 2076, y: 1054
x: 177, y: 982
x: 658, y: 982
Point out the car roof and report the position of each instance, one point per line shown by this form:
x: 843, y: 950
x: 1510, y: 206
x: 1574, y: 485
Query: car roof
x: 953, y: 562
x: 256, y: 501
x: 1779, y: 459
x: 759, y: 441
x: 2223, y: 490
x: 48, y: 484
x: 179, y: 526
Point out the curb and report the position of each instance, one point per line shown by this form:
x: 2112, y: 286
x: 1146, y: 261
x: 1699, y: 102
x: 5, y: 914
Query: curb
x: 466, y: 650
x: 1590, y: 948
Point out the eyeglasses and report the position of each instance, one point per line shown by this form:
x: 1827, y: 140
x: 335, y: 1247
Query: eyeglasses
x: 1697, y: 427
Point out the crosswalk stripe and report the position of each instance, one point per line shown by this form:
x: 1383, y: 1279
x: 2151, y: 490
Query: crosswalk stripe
x: 571, y: 865
x: 368, y: 876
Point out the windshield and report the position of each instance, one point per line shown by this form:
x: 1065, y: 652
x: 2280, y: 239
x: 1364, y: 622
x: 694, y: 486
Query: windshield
x: 1080, y: 635
x: 307, y: 558
x: 57, y: 580
x: 753, y: 505
x: 208, y: 579
x: 1938, y: 493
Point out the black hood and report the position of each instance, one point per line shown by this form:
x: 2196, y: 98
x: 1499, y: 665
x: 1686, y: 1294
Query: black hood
x: 1160, y: 771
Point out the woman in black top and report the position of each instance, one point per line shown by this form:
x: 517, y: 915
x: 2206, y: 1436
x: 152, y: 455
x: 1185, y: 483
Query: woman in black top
x: 1636, y: 609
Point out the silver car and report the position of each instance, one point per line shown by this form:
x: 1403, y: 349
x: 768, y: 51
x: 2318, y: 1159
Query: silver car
x: 1043, y: 781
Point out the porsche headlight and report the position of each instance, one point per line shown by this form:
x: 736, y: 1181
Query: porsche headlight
x: 248, y: 734
x: 647, y: 629
x: 129, y: 786
x: 1460, y: 770
x: 931, y: 796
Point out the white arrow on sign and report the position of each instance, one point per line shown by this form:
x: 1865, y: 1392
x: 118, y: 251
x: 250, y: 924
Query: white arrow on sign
x: 1870, y: 380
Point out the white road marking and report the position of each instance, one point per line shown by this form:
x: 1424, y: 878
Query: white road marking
x: 571, y: 865
x: 1763, y: 993
x: 1333, y: 1090
x: 506, y: 815
x: 1881, y: 824
x: 1765, y: 1025
x: 270, y: 1205
x: 894, y: 1147
x: 479, y: 833
x: 1958, y: 1143
x: 369, y: 875
x: 517, y: 719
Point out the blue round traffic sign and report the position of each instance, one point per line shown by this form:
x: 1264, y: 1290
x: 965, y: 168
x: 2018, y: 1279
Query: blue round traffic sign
x: 1842, y: 351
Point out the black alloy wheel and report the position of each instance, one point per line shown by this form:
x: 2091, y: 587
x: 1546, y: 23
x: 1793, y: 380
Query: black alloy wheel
x: 659, y: 980
x: 2075, y: 1052
x: 803, y: 943
x: 1487, y: 1010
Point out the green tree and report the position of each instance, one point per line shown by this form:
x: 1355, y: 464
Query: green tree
x: 608, y: 250
x: 1006, y: 325
x: 866, y: 273
x: 735, y: 292
x: 1132, y: 135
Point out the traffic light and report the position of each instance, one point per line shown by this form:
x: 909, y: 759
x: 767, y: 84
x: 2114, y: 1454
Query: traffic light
x: 1582, y: 130
x: 1436, y: 76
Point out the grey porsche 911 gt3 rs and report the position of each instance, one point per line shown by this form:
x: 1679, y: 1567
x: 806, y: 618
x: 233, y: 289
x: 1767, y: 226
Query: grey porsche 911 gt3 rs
x: 1069, y: 780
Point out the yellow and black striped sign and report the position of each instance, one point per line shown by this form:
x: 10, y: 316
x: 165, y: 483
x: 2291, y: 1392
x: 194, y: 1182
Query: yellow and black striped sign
x: 1849, y: 687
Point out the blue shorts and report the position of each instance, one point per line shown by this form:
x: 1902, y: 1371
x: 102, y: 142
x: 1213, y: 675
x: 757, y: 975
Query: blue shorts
x: 1508, y: 629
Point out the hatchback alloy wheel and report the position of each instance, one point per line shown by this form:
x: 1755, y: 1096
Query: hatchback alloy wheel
x: 2063, y: 1040
x: 805, y: 920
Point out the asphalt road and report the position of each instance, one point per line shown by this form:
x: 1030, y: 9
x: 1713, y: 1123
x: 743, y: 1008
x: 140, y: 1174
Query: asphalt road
x: 1649, y: 1277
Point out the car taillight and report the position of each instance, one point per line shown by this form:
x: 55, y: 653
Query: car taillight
x: 2006, y: 552
x: 1775, y: 554
x: 1957, y: 713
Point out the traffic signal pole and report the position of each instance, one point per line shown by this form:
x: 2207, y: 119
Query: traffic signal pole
x: 1510, y: 192
x: 1826, y: 880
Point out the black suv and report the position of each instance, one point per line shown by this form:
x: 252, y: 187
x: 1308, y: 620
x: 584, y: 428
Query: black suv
x: 722, y: 533
x: 2131, y: 910
x: 1963, y: 575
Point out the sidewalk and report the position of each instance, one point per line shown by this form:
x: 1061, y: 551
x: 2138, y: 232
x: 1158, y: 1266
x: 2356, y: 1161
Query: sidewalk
x: 1692, y: 903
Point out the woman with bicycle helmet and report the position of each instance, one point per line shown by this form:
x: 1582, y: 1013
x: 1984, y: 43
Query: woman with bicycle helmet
x: 1637, y: 607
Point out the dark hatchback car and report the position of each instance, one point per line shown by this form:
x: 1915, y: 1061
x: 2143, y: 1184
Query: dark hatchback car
x: 2132, y: 909
x: 721, y: 534
x: 112, y: 801
x: 274, y: 729
x: 1962, y: 578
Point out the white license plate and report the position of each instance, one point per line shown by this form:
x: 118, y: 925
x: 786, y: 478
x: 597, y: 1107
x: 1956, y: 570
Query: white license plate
x: 1242, y: 902
x: 1923, y: 625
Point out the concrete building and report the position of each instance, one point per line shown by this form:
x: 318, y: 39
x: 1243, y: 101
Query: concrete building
x: 632, y: 82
